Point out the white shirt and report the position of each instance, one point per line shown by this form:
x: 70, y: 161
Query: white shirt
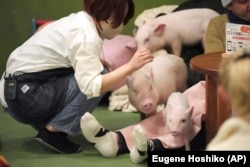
x: 71, y: 41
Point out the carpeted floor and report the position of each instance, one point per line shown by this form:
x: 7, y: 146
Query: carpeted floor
x: 19, y: 148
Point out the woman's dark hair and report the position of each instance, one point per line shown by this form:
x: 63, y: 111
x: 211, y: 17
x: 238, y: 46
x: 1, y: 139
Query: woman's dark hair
x: 103, y: 9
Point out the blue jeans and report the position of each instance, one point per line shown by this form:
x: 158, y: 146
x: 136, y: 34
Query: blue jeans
x: 76, y: 104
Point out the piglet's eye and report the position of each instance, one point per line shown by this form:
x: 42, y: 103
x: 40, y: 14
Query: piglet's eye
x: 147, y: 39
x: 183, y: 120
x: 135, y: 91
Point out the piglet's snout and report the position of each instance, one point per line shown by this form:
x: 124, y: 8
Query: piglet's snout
x: 148, y: 105
x: 175, y: 133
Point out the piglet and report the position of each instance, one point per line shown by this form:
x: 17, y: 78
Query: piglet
x: 151, y: 85
x: 152, y: 13
x: 186, y: 27
x: 178, y: 116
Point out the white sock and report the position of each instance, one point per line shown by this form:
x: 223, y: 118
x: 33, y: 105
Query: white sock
x: 140, y: 151
x: 106, y: 141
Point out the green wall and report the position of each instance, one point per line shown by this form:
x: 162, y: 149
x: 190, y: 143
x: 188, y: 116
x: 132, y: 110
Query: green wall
x: 16, y: 18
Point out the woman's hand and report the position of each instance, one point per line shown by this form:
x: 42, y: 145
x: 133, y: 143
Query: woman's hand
x: 111, y: 79
x: 140, y: 58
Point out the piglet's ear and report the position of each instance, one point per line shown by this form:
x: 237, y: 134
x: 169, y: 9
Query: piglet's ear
x: 159, y: 29
x: 132, y: 45
x: 129, y: 80
x: 169, y: 108
x: 190, y: 111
